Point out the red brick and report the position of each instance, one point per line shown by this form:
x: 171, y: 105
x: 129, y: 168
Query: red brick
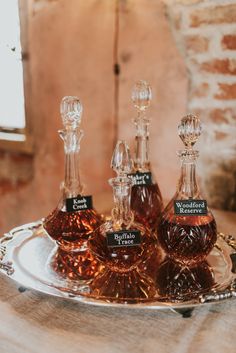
x: 200, y: 90
x: 196, y: 44
x: 227, y: 91
x: 220, y: 66
x: 229, y: 42
x: 219, y: 116
x: 219, y: 135
x: 213, y: 15
x: 188, y: 2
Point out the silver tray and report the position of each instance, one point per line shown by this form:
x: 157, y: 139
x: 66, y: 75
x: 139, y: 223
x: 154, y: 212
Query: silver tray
x: 25, y: 253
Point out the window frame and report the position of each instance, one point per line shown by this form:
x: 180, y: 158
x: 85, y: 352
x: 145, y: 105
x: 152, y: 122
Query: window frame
x: 25, y: 146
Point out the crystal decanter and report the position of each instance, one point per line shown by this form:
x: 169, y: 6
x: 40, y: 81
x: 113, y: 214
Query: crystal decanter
x: 74, y: 219
x: 146, y: 200
x: 122, y: 244
x: 187, y: 230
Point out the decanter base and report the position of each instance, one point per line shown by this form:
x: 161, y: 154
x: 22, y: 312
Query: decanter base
x: 74, y: 265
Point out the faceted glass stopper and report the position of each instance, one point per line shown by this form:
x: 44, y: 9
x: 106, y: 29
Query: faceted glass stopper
x: 121, y: 161
x: 141, y: 95
x: 190, y: 130
x: 71, y: 111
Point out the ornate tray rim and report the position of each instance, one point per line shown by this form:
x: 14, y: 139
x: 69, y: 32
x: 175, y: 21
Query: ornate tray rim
x: 7, y: 268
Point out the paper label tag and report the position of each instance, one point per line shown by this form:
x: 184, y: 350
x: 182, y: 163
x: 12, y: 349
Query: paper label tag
x: 141, y: 178
x: 81, y: 203
x: 190, y: 207
x: 123, y: 238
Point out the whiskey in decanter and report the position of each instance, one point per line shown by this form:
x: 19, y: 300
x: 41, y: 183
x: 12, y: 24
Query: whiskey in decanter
x: 146, y: 199
x: 122, y: 244
x: 74, y: 219
x: 187, y: 230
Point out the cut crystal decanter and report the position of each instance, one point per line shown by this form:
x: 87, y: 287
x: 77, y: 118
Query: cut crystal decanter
x: 74, y: 219
x: 146, y: 200
x: 187, y: 230
x: 122, y: 244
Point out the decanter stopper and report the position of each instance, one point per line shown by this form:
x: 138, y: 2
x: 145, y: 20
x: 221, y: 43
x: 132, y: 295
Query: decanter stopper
x: 190, y: 130
x: 141, y: 95
x: 121, y: 161
x: 71, y: 112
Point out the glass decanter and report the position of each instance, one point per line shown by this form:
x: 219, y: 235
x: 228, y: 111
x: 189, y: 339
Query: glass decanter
x: 187, y: 230
x: 74, y: 219
x: 146, y: 199
x: 121, y: 244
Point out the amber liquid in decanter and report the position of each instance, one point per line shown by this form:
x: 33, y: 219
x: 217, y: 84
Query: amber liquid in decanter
x: 121, y: 280
x: 146, y: 202
x: 74, y: 219
x: 146, y: 199
x: 188, y: 239
x: 71, y: 230
x: 122, y: 244
x: 123, y: 257
x: 187, y: 230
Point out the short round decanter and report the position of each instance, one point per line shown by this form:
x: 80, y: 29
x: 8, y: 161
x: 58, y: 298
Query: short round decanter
x: 146, y: 199
x: 122, y: 244
x: 74, y: 219
x: 187, y: 230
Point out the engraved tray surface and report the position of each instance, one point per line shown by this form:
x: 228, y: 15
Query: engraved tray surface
x: 25, y: 252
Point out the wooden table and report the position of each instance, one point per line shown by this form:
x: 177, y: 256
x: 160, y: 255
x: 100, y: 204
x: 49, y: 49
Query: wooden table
x: 34, y: 323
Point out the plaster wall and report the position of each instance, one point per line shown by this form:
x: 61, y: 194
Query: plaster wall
x: 70, y: 52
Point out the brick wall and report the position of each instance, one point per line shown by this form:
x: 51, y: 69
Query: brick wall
x: 205, y: 33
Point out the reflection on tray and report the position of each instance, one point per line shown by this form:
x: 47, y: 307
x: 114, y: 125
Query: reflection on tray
x: 131, y: 287
x: 38, y: 265
x: 180, y: 283
x: 162, y: 280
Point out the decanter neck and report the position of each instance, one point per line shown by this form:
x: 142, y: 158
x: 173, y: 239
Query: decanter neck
x: 141, y: 160
x: 71, y: 186
x: 188, y: 186
x: 122, y: 216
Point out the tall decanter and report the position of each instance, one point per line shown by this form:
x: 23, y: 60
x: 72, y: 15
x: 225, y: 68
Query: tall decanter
x: 122, y: 244
x: 187, y: 231
x: 146, y: 199
x: 74, y: 219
